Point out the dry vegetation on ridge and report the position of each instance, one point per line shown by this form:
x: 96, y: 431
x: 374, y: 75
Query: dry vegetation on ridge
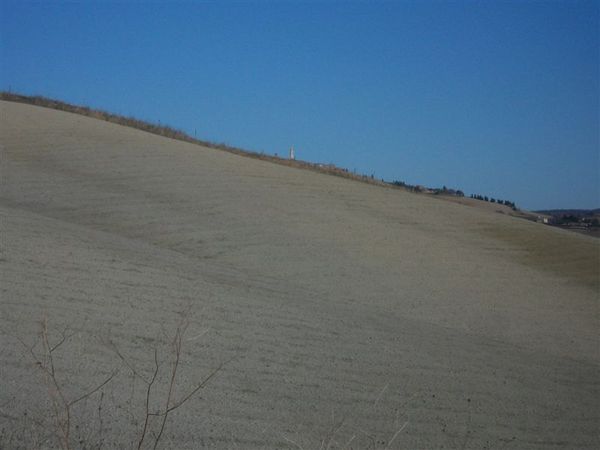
x: 173, y: 133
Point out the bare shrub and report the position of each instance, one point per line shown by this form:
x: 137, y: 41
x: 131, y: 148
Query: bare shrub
x: 62, y: 414
x: 170, y: 404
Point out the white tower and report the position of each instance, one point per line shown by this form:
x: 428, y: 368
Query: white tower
x: 292, y: 154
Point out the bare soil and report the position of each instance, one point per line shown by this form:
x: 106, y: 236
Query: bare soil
x: 348, y: 315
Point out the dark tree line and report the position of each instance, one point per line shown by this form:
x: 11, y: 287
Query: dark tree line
x: 444, y: 190
x: 494, y: 200
x: 449, y: 191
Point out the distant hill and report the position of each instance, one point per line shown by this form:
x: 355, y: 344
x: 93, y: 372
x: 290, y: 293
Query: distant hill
x: 570, y: 212
x: 586, y: 221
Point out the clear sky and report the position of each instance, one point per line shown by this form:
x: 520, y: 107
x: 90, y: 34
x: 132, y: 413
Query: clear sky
x: 497, y: 98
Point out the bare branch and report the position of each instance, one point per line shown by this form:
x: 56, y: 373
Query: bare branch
x: 96, y: 389
x: 334, y: 429
x: 191, y: 394
x: 100, y: 420
x: 349, y: 441
x: 177, y: 346
x: 197, y: 388
x: 396, y: 435
x: 125, y: 361
x: 148, y: 392
x: 292, y: 442
x: 59, y: 400
x: 65, y: 337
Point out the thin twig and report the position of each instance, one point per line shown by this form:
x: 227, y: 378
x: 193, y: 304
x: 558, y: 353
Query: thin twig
x: 148, y: 393
x: 292, y: 442
x: 334, y: 429
x: 177, y: 346
x: 93, y: 391
x: 63, y: 424
x: 125, y: 361
x: 380, y: 394
x: 351, y: 439
x: 64, y: 338
x: 196, y: 389
x: 396, y: 435
x: 100, y: 420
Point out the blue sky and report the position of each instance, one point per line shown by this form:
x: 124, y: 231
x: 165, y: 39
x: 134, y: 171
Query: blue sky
x: 497, y: 98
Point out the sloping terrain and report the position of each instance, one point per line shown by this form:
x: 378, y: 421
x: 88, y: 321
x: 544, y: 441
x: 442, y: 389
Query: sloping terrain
x: 345, y: 314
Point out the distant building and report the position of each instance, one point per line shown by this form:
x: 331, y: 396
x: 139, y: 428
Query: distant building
x: 292, y: 153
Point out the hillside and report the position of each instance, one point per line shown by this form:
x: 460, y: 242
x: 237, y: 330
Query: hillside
x: 344, y: 314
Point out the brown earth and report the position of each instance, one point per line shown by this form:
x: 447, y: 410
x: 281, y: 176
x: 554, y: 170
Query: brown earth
x: 347, y: 314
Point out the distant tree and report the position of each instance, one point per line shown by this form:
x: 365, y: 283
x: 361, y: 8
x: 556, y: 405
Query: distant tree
x: 568, y: 218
